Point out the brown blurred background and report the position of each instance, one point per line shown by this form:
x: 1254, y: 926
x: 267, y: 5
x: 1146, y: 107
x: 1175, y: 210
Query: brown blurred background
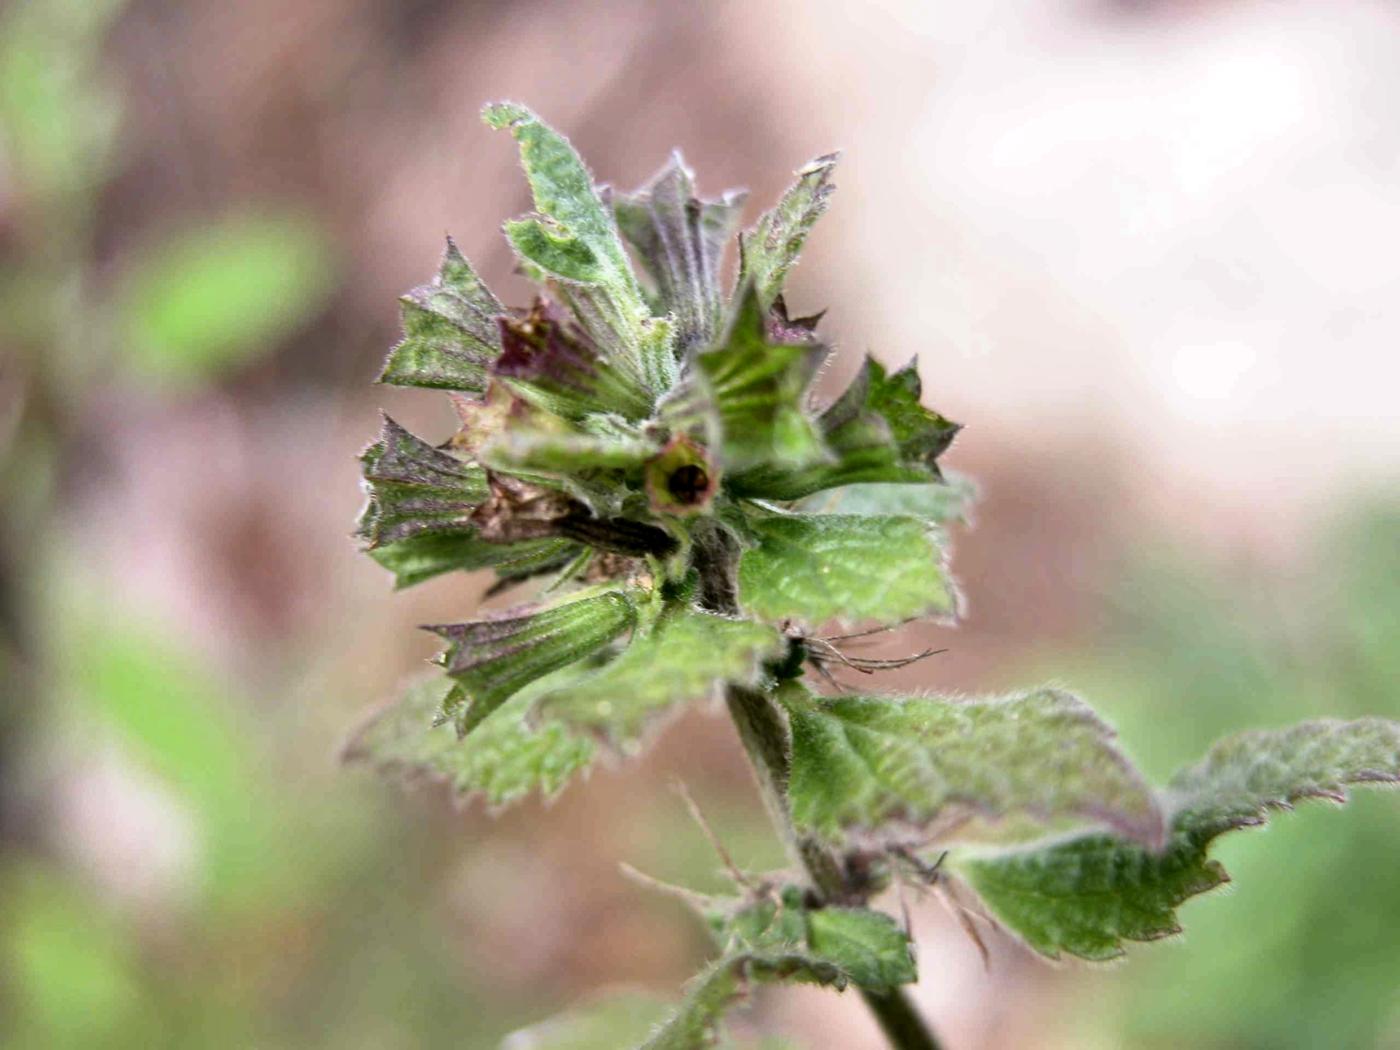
x: 1145, y: 250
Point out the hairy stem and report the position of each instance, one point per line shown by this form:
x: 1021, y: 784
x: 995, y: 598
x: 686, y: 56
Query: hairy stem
x: 766, y: 737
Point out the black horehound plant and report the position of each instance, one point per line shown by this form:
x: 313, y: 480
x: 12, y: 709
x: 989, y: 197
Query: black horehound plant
x: 639, y: 449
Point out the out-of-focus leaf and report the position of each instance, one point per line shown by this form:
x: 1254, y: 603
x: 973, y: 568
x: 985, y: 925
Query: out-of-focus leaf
x: 882, y: 767
x: 575, y: 239
x: 503, y: 759
x: 817, y: 568
x: 770, y: 249
x: 211, y: 297
x: 942, y: 502
x: 680, y: 241
x: 759, y: 388
x: 493, y: 659
x: 688, y: 655
x: 619, y: 1021
x: 451, y: 335
x: 867, y: 947
x: 416, y: 489
x: 424, y: 556
x: 1088, y: 895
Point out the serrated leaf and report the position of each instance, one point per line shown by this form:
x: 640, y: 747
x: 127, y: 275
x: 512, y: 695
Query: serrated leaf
x: 492, y: 659
x: 688, y: 655
x: 868, y: 947
x: 758, y: 389
x: 575, y: 239
x: 415, y: 488
x: 817, y: 568
x: 877, y: 431
x: 680, y: 242
x: 769, y: 250
x: 1088, y: 895
x: 881, y: 767
x: 695, y: 1025
x: 503, y: 760
x: 553, y: 363
x: 450, y: 334
x: 941, y: 502
x: 422, y: 557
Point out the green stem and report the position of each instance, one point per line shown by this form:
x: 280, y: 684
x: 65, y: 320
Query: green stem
x: 767, y: 739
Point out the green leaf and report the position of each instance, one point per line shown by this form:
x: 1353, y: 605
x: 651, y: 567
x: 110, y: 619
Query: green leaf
x: 882, y: 767
x: 502, y: 760
x: 680, y: 242
x: 450, y: 331
x: 758, y: 389
x: 877, y: 431
x: 555, y: 364
x: 415, y: 489
x: 867, y: 947
x: 493, y: 659
x: 211, y: 297
x: 940, y: 502
x: 688, y: 655
x: 695, y: 1024
x: 424, y: 556
x: 576, y: 240
x: 1088, y: 895
x: 770, y: 249
x: 818, y: 568
x: 607, y: 1024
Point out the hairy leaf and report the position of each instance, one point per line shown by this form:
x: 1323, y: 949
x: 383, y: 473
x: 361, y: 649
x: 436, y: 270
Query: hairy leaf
x: 759, y: 390
x: 769, y: 250
x: 415, y: 488
x: 688, y: 655
x: 503, y: 760
x: 881, y: 767
x: 557, y: 365
x: 695, y: 1025
x: 576, y: 239
x: 868, y: 947
x: 876, y: 431
x: 492, y: 659
x: 450, y: 336
x: 422, y: 557
x: 1088, y: 895
x: 941, y: 503
x: 680, y: 242
x: 817, y: 568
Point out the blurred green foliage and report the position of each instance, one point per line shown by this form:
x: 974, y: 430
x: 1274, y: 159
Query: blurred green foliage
x: 211, y: 296
x: 1304, y: 955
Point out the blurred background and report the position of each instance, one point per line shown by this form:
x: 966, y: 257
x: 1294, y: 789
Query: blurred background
x: 1145, y: 250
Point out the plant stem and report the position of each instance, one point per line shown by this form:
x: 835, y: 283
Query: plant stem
x: 767, y: 739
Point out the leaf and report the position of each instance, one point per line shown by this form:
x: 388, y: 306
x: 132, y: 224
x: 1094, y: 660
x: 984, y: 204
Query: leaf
x: 555, y: 364
x: 1089, y: 895
x: 450, y: 334
x: 209, y: 298
x: 688, y: 655
x: 415, y: 488
x: 758, y: 389
x: 867, y: 947
x: 575, y: 239
x: 502, y: 760
x: 606, y: 1024
x: 770, y: 249
x: 880, y: 766
x: 492, y: 659
x: 695, y: 1024
x: 424, y: 556
x: 876, y: 431
x: 940, y: 502
x: 818, y: 568
x: 680, y: 242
